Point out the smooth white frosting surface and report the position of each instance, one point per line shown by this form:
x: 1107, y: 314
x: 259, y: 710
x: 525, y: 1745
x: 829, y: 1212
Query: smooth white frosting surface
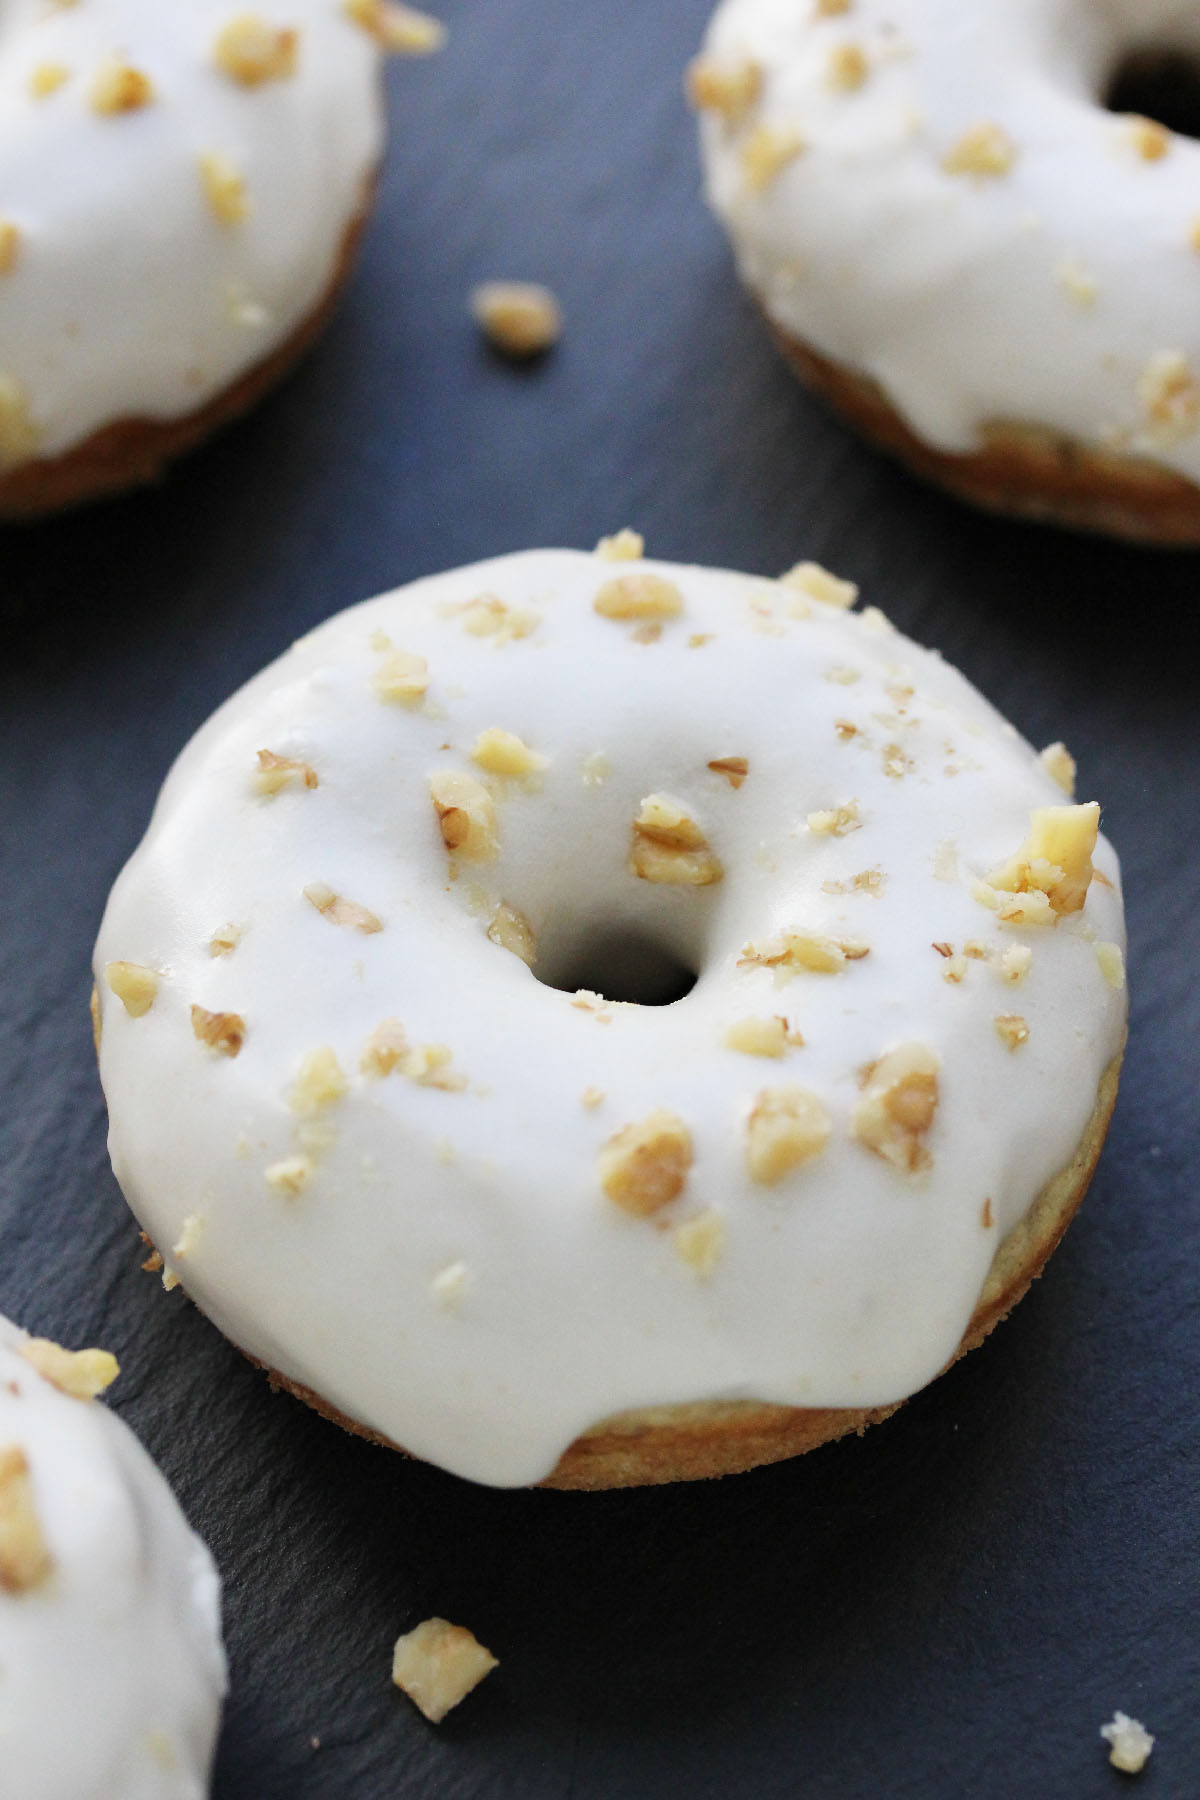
x: 111, y: 1668
x: 128, y: 296
x: 452, y: 1273
x: 1064, y: 292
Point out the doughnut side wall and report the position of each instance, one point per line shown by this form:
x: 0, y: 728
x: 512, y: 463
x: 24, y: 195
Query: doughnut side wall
x: 478, y: 1209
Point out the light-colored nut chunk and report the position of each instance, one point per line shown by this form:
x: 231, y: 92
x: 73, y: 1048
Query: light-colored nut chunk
x: 1012, y: 1030
x: 224, y: 1032
x: 1014, y: 964
x: 734, y: 768
x: 835, y: 821
x: 761, y: 1037
x: 488, y: 616
x: 400, y: 30
x: 512, y: 931
x: 25, y: 1557
x: 669, y: 846
x: 18, y: 433
x: 1059, y: 764
x: 10, y: 246
x: 642, y: 596
x: 1055, y: 859
x: 818, y: 584
x: 438, y: 1664
x: 1170, y: 392
x: 466, y: 815
x: 503, y: 753
x: 340, y: 911
x: 766, y: 153
x: 848, y: 67
x: 428, y: 1065
x: 224, y: 187
x: 787, y: 1126
x: 290, y: 1175
x: 401, y: 678
x: 250, y: 51
x: 900, y: 1097
x: 1146, y: 137
x: 730, y: 88
x: 811, y: 950
x: 135, y: 987
x: 623, y: 546
x: 320, y: 1082
x: 644, y: 1166
x: 665, y: 821
x: 384, y: 1049
x: 985, y: 150
x: 1129, y: 1743
x: 274, y: 773
x: 80, y: 1373
x: 701, y: 1242
x: 225, y: 941
x: 120, y: 88
x: 519, y: 318
x: 1112, y: 964
x: 46, y: 78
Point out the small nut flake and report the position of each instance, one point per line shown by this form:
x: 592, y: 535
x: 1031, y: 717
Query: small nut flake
x: 320, y: 1082
x: 1170, y: 393
x: 1146, y: 137
x: 761, y: 1037
x: 400, y: 30
x: 384, y: 1049
x: 512, y: 931
x: 1014, y: 964
x: 1059, y: 764
x: 274, y: 773
x: 225, y: 941
x: 224, y: 1032
x: 836, y: 821
x: 401, y: 678
x: 136, y: 987
x: 669, y: 846
x: 466, y: 815
x: 1129, y: 1743
x: 1012, y: 1030
x: 521, y: 319
x: 817, y: 583
x: 224, y: 187
x: 848, y: 68
x: 488, y: 616
x: 1111, y: 959
x: 46, y: 78
x: 734, y: 768
x: 1055, y: 861
x: 251, y: 52
x: 900, y: 1097
x: 623, y: 546
x: 290, y: 1175
x: 984, y: 150
x: 792, y: 951
x: 700, y: 1243
x: 437, y: 1665
x: 644, y: 1166
x: 727, y: 86
x: 120, y: 88
x: 340, y: 911
x: 25, y: 1557
x: 83, y: 1374
x: 639, y: 597
x: 766, y: 153
x: 787, y: 1126
x: 503, y: 753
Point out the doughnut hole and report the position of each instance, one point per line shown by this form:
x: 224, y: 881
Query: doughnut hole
x: 622, y: 962
x: 1163, y: 85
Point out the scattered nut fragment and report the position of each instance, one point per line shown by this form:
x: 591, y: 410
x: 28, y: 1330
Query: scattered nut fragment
x: 984, y: 149
x: 401, y: 30
x: 1146, y: 137
x: 1011, y: 1029
x: 80, y: 1373
x: 793, y: 950
x: 986, y: 1216
x: 288, y: 1176
x: 761, y: 1037
x: 734, y: 768
x: 1059, y: 764
x: 848, y: 67
x: 135, y: 987
x: 669, y: 846
x: 97, y: 1022
x: 466, y: 814
x: 449, y: 1286
x: 642, y: 596
x: 623, y: 546
x: 428, y: 1065
x: 250, y: 51
x: 829, y: 9
x: 786, y: 1127
x: 190, y: 1234
x: 836, y: 821
x: 818, y: 584
x: 401, y: 677
x: 767, y: 152
x: 521, y: 319
x: 643, y: 1167
x: 25, y: 1558
x: 340, y: 911
x: 10, y: 246
x: 225, y: 941
x: 487, y: 616
x: 900, y: 1096
x: 867, y: 881
x: 592, y: 1097
x: 512, y: 931
x: 320, y: 1082
x: 274, y: 773
x: 18, y: 433
x: 1032, y: 908
x: 1170, y: 393
x: 1055, y: 860
x: 1129, y: 1743
x: 1112, y: 964
x: 955, y: 971
x: 1015, y: 963
x: 384, y: 1049
x: 224, y: 1032
x: 46, y: 79
x: 701, y: 1242
x: 438, y: 1664
x: 224, y: 188
x: 896, y: 762
x: 119, y: 88
x: 729, y: 88
x: 503, y: 753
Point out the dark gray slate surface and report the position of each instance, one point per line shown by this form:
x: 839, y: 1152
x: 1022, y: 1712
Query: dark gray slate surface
x: 946, y: 1610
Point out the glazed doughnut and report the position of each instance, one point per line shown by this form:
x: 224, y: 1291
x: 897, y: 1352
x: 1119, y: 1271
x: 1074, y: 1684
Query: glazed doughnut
x: 567, y: 987
x: 111, y: 1667
x: 951, y: 238
x: 181, y: 189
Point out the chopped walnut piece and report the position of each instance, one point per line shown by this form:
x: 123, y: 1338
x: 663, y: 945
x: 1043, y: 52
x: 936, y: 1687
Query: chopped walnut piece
x: 512, y: 931
x: 867, y: 881
x: 46, y: 78
x: 225, y: 941
x: 1129, y: 1743
x: 277, y: 772
x: 1011, y: 1029
x: 25, y: 1558
x: 811, y: 579
x: 340, y: 911
x: 1055, y: 859
x: 503, y: 753
x: 1059, y: 764
x: 844, y: 676
x: 985, y: 150
x: 428, y: 1065
x: 1032, y: 908
x: 487, y: 616
x: 18, y: 433
x: 250, y: 51
x: 1112, y: 964
x: 400, y: 30
x: 669, y: 846
x: 438, y: 1664
x: 787, y: 1126
x: 119, y: 88
x: 793, y: 950
x: 848, y: 67
x: 401, y: 678
x: 1146, y: 137
x: 466, y: 814
x: 521, y: 319
x: 643, y: 596
x: 955, y: 971
x: 734, y: 768
x: 900, y: 1096
x: 80, y: 1373
x: 701, y: 1242
x: 896, y: 762
x: 761, y: 1037
x: 986, y: 1217
x: 592, y: 1097
x: 623, y: 546
x: 730, y: 88
x: 290, y: 1175
x: 10, y: 246
x: 384, y: 1049
x: 643, y: 1167
x: 829, y: 9
x: 320, y: 1082
x: 766, y: 153
x: 224, y: 1032
x: 1015, y: 963
x: 135, y: 987
x: 224, y: 188
x: 1170, y: 393
x: 837, y: 821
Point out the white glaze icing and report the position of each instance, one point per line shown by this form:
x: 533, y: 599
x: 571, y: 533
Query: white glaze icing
x: 1057, y: 294
x: 111, y: 1668
x: 453, y: 1274
x: 128, y: 296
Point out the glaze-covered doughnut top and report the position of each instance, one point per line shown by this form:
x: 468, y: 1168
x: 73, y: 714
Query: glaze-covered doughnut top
x: 111, y: 1668
x: 386, y: 1080
x: 176, y: 183
x: 931, y: 193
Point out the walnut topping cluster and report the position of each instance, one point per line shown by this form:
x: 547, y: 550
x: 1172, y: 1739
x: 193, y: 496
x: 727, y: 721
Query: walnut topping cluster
x: 867, y: 881
x: 835, y: 821
x: 512, y: 931
x: 401, y: 677
x: 734, y: 768
x: 224, y: 187
x: 503, y: 753
x: 224, y: 1032
x: 340, y: 911
x: 1129, y: 1743
x: 466, y: 815
x: 10, y: 246
x: 669, y: 846
x: 1170, y: 392
x: 900, y: 1096
x: 766, y: 153
x: 1059, y: 764
x: 787, y: 1126
x: 83, y: 1374
x: 639, y: 597
x: 700, y: 1242
x: 320, y: 1082
x: 1011, y: 1029
x: 135, y: 987
x: 848, y: 67
x: 644, y: 1166
x: 25, y: 1557
x: 985, y: 150
x: 428, y: 1065
x: 792, y: 951
x: 277, y: 772
x: 400, y: 30
x: 816, y: 583
x: 730, y: 88
x: 521, y: 319
x: 488, y: 616
x: 623, y: 546
x: 438, y: 1664
x: 18, y: 433
x: 250, y: 51
x: 120, y: 88
x: 1052, y: 869
x: 762, y: 1037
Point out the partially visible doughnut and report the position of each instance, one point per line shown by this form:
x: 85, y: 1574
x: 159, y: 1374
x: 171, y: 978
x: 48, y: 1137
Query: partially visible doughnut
x: 181, y: 190
x: 111, y: 1667
x: 367, y: 1098
x: 987, y: 272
